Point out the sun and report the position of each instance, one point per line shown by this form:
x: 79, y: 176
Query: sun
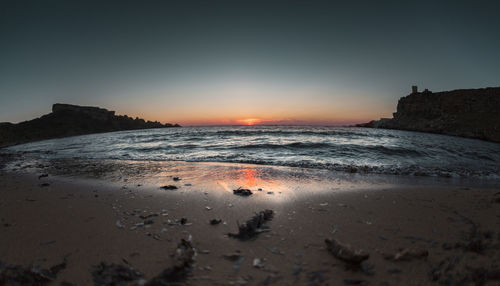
x: 250, y: 121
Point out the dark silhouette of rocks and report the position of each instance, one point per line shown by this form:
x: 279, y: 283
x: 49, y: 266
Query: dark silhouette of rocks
x: 473, y: 113
x: 70, y: 120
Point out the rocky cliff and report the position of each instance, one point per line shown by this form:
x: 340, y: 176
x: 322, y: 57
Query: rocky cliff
x: 473, y: 113
x: 70, y: 120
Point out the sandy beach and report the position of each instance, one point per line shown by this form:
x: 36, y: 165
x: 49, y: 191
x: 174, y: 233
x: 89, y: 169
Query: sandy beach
x: 119, y: 214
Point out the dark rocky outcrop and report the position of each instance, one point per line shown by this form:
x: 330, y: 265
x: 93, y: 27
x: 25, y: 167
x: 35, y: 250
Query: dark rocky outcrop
x: 70, y: 120
x: 473, y: 113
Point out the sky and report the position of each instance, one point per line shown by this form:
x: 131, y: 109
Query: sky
x: 241, y: 62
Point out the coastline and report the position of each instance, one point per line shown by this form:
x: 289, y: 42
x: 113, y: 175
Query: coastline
x: 468, y: 113
x: 75, y: 217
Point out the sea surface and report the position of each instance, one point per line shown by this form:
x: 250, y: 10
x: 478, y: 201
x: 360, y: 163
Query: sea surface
x: 346, y: 149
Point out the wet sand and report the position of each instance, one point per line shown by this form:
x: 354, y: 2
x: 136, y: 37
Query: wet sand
x: 88, y: 219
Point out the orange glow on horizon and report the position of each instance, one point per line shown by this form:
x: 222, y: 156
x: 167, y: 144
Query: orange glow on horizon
x: 250, y: 105
x: 249, y: 121
x: 219, y: 119
x: 283, y: 122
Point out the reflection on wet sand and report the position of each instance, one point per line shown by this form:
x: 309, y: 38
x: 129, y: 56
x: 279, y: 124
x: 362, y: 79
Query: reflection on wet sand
x: 254, y: 179
x: 276, y: 183
x: 249, y: 177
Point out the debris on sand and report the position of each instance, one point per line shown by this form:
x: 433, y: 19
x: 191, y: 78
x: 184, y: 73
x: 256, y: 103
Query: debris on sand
x: 258, y: 262
x: 43, y: 176
x: 408, y: 254
x: 233, y: 256
x: 475, y: 240
x: 345, y: 252
x: 114, y: 274
x: 236, y: 257
x: 21, y: 275
x: 215, y: 221
x: 119, y: 224
x: 117, y: 275
x: 275, y: 250
x: 456, y: 270
x: 253, y: 226
x: 237, y: 263
x: 148, y: 215
x: 181, y: 221
x: 169, y: 187
x: 242, y: 192
x: 176, y: 179
x: 182, y: 266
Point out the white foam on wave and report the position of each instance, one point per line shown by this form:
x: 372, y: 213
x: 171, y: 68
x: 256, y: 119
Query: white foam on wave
x: 334, y: 148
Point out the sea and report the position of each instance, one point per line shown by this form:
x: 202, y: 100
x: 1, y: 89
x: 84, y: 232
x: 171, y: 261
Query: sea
x: 343, y: 149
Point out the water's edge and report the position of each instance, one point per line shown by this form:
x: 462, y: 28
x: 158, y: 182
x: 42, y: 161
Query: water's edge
x: 352, y: 150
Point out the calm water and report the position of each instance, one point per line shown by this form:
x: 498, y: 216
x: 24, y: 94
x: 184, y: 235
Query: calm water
x: 342, y: 149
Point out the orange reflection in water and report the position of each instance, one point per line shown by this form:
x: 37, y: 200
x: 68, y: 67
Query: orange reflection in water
x: 227, y: 178
x: 253, y: 178
x: 249, y: 177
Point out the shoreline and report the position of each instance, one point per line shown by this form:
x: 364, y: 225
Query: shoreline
x: 76, y: 218
x: 348, y: 150
x: 112, y: 169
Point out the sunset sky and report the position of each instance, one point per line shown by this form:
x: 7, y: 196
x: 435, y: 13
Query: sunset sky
x: 240, y: 62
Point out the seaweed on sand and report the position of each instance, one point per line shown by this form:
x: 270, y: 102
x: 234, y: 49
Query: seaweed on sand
x: 242, y: 192
x: 253, y: 226
x: 181, y: 268
x: 408, y: 254
x: 22, y: 275
x: 169, y: 187
x: 345, y: 252
x: 114, y: 274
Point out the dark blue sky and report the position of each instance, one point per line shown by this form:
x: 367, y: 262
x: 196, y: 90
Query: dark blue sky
x: 220, y: 61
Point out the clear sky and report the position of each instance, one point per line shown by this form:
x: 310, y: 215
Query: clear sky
x: 213, y: 62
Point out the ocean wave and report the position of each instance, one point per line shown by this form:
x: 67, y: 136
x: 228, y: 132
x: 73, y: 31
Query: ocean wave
x: 399, y: 151
x: 249, y: 133
x: 358, y: 150
x: 295, y: 145
x: 361, y: 169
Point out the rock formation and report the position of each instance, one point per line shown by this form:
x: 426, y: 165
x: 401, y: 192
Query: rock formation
x: 70, y: 120
x: 473, y: 113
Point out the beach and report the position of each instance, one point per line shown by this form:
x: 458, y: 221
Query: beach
x: 249, y: 143
x: 88, y: 212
